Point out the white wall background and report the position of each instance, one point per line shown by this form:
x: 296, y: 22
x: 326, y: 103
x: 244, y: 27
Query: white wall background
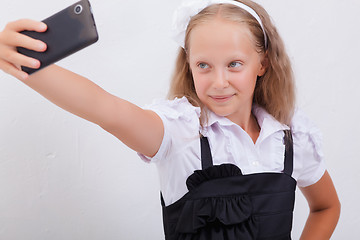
x: 64, y: 178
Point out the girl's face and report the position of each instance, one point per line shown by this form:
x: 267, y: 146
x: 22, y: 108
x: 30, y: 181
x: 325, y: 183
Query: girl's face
x: 225, y: 66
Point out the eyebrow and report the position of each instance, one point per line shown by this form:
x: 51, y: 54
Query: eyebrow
x: 235, y: 56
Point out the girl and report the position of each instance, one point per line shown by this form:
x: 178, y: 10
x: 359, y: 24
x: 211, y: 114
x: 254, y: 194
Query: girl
x: 229, y: 146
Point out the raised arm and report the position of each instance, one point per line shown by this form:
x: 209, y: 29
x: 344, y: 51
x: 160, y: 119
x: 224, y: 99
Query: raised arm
x: 139, y: 129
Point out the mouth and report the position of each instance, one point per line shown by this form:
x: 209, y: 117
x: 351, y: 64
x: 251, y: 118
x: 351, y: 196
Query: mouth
x: 221, y: 98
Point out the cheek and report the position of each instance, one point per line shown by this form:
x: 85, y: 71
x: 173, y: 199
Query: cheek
x: 201, y: 85
x: 244, y: 83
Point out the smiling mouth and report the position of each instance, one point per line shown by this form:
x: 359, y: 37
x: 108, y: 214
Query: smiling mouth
x: 223, y: 98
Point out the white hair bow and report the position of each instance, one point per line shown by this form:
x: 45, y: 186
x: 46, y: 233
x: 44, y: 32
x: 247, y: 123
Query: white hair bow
x: 190, y: 8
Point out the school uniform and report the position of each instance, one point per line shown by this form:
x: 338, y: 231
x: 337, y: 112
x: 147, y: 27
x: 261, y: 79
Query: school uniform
x: 223, y: 186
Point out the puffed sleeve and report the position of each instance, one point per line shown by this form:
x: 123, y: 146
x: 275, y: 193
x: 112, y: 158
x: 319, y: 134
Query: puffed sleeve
x: 309, y: 165
x: 181, y: 123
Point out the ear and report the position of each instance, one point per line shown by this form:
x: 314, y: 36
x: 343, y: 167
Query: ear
x: 264, y: 65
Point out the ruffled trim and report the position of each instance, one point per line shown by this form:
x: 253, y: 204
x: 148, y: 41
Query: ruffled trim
x: 300, y: 125
x: 214, y: 172
x: 174, y: 109
x: 228, y: 211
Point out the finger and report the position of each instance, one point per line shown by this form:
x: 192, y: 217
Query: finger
x: 13, y: 57
x: 26, y: 24
x: 12, y: 70
x: 16, y: 39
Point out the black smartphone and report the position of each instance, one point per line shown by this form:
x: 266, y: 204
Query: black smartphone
x: 68, y: 31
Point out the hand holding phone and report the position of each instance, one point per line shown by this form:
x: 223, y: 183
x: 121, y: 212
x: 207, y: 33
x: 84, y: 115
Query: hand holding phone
x: 68, y: 31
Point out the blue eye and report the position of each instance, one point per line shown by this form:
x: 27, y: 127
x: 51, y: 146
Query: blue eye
x: 234, y: 64
x: 203, y: 65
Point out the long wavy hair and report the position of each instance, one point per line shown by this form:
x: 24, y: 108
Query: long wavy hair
x: 274, y: 91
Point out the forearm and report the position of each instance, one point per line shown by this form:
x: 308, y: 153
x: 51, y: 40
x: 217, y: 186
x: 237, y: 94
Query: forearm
x: 70, y: 91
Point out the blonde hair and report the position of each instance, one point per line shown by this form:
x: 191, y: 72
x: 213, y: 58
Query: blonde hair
x: 274, y: 91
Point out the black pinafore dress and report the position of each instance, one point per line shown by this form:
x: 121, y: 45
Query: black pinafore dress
x: 223, y: 204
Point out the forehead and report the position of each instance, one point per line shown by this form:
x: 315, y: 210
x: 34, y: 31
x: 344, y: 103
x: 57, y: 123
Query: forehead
x: 221, y: 36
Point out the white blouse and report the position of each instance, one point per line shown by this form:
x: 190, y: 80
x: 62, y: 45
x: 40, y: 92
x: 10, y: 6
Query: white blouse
x: 179, y: 154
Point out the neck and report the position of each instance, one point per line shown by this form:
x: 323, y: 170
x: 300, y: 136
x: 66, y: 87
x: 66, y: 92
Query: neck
x: 249, y: 124
x: 254, y: 130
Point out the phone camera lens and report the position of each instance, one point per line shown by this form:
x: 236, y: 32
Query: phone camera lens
x: 78, y: 9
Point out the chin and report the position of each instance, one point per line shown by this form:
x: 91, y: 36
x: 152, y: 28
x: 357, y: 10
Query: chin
x: 221, y: 112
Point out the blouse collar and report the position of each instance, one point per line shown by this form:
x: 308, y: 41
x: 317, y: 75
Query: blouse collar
x: 266, y: 121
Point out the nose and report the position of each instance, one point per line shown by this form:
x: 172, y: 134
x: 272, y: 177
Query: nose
x: 221, y: 79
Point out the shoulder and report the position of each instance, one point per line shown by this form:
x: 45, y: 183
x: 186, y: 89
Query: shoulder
x: 306, y: 133
x: 181, y: 125
x: 308, y: 149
